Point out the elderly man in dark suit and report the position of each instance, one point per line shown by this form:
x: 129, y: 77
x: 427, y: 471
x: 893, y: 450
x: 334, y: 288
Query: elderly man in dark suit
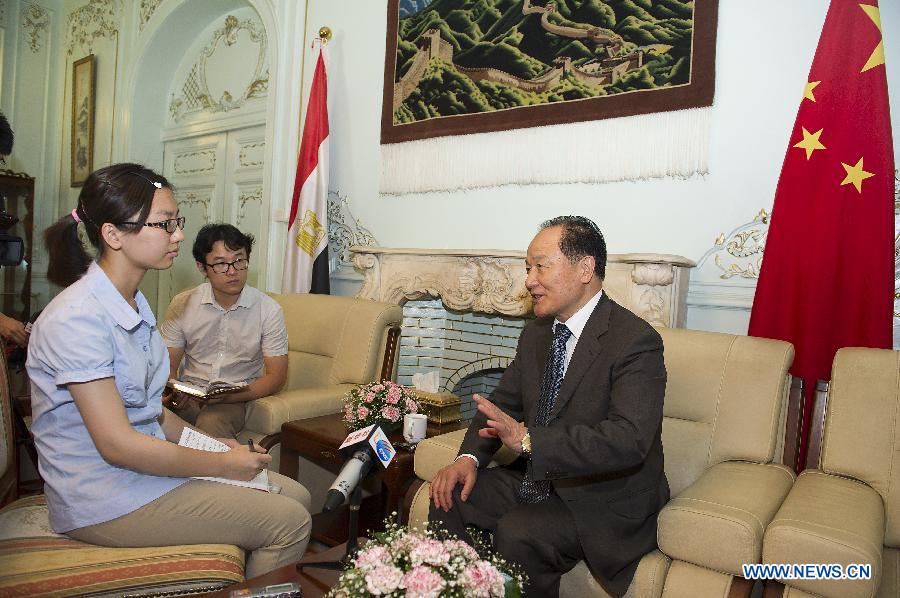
x: 582, y: 404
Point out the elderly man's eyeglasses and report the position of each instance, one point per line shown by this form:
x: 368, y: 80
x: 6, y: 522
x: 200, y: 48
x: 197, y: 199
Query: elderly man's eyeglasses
x: 222, y: 267
x: 167, y: 225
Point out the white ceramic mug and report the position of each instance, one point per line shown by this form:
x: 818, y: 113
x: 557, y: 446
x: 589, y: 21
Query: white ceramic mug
x: 414, y: 425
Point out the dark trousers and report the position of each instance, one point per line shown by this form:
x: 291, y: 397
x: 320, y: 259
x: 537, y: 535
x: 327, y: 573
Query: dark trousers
x: 542, y: 538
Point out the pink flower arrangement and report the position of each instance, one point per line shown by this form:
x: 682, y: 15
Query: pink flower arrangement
x: 403, y: 562
x: 378, y: 402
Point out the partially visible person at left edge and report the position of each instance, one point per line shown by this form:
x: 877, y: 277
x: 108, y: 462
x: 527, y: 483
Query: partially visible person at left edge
x: 224, y: 331
x: 11, y: 329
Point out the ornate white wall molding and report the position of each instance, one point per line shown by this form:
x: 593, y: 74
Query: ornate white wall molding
x: 252, y: 155
x: 724, y: 283
x: 35, y: 24
x: 195, y: 162
x: 148, y: 7
x: 196, y: 197
x: 252, y: 196
x: 95, y: 20
x: 344, y: 231
x: 741, y: 253
x: 653, y: 286
x: 195, y: 95
x: 726, y: 275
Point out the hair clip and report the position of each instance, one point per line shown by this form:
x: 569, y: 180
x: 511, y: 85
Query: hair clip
x: 156, y: 184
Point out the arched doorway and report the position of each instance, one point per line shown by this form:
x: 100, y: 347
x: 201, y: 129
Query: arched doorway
x: 198, y: 109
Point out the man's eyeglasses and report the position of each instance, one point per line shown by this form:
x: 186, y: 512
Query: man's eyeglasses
x: 167, y: 225
x: 222, y: 267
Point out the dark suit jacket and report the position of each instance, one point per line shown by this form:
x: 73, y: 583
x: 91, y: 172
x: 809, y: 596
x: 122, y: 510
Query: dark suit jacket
x: 602, y: 448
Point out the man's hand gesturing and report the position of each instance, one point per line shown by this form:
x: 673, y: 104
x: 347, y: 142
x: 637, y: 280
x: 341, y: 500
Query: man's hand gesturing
x: 500, y: 425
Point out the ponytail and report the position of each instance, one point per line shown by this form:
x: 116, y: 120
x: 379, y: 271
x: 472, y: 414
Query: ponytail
x: 68, y: 258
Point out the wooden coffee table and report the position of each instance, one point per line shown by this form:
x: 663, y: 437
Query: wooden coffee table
x: 318, y: 439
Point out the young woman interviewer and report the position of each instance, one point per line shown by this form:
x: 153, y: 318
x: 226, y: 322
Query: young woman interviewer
x: 114, y: 474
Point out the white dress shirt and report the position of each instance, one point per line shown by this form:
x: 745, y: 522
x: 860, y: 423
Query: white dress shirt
x: 576, y: 325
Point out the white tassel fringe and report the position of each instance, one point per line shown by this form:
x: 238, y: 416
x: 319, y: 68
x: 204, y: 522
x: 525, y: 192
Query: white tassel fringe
x: 636, y: 147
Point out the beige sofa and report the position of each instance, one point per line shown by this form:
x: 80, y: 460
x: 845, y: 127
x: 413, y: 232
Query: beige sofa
x: 723, y: 431
x: 334, y: 343
x: 848, y: 510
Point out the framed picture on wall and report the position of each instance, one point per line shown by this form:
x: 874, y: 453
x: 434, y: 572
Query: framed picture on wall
x: 82, y: 120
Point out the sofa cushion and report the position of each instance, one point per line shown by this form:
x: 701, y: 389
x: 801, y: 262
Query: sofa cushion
x: 333, y: 339
x: 436, y: 452
x: 34, y: 561
x: 265, y: 415
x: 860, y: 438
x: 724, y: 397
x: 828, y: 519
x: 719, y: 521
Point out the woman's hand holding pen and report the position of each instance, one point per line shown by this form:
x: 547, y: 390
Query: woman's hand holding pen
x: 174, y: 399
x: 244, y: 464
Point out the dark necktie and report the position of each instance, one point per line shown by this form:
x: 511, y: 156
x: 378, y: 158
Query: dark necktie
x: 529, y: 491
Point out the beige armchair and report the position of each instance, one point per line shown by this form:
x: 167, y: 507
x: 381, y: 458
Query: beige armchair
x: 848, y: 510
x: 723, y: 431
x: 334, y: 343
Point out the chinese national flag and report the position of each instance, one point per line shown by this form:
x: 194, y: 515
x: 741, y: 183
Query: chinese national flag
x: 827, y: 277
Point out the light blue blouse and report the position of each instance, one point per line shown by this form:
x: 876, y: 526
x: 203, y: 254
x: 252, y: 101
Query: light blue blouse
x: 89, y: 332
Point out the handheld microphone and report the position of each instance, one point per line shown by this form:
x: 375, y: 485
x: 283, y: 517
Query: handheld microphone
x: 365, y: 447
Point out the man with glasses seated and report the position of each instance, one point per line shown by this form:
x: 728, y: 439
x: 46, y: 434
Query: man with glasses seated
x: 224, y: 331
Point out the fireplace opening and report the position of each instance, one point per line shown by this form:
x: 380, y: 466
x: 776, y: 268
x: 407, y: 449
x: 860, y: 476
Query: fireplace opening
x: 468, y: 350
x: 482, y: 382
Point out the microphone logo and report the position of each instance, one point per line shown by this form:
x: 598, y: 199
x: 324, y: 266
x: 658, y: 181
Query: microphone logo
x: 384, y: 450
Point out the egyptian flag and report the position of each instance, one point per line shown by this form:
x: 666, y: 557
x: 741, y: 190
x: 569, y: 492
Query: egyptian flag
x: 827, y: 277
x: 306, y: 255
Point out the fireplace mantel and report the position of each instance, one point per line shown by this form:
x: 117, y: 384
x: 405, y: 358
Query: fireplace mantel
x: 490, y: 281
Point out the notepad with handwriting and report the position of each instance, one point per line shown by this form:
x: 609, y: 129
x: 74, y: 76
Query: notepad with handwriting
x: 191, y: 438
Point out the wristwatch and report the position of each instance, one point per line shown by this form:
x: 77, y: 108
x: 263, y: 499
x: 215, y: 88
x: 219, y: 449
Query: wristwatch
x: 526, y: 445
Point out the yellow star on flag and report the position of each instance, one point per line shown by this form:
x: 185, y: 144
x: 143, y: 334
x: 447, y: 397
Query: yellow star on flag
x: 810, y: 142
x: 877, y: 57
x: 808, y: 92
x: 856, y: 175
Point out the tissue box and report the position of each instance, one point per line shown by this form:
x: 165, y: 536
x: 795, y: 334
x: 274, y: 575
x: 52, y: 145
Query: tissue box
x: 440, y: 407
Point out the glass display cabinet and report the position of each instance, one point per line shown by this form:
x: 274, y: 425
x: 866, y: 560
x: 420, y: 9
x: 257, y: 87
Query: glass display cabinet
x: 16, y: 236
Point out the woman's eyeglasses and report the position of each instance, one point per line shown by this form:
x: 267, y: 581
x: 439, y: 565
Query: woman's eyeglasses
x: 167, y: 225
x: 222, y: 267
